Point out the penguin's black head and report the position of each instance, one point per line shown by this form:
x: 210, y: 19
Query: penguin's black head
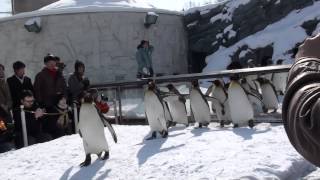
x: 217, y: 83
x: 279, y: 62
x: 195, y: 83
x: 170, y: 87
x: 151, y: 86
x: 90, y: 96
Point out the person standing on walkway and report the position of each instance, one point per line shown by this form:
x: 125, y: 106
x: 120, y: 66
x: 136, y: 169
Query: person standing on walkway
x: 18, y: 82
x: 144, y: 59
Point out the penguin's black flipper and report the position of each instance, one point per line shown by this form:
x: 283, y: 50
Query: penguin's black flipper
x: 108, y: 125
x: 87, y: 161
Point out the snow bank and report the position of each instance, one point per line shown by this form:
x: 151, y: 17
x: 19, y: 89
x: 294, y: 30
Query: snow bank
x: 260, y: 153
x: 284, y: 35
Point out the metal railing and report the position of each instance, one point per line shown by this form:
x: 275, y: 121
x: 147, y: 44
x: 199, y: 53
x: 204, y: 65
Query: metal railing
x: 119, y: 86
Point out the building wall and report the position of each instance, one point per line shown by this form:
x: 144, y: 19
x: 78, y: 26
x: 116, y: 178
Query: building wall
x: 20, y: 6
x: 106, y: 42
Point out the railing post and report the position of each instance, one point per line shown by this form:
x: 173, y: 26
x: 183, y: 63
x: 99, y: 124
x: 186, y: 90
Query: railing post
x: 24, y: 128
x: 120, y: 104
x: 75, y: 117
x: 115, y: 111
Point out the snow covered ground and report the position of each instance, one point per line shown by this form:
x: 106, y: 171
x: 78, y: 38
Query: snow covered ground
x: 188, y: 153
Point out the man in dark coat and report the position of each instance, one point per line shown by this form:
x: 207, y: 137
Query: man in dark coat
x: 18, y: 82
x: 301, y: 104
x: 34, y: 118
x: 49, y: 82
x: 47, y: 85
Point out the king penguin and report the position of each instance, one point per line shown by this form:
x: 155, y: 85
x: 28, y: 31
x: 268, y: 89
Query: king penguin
x: 91, y: 129
x: 177, y: 107
x: 199, y: 105
x: 155, y: 112
x: 279, y: 80
x: 220, y: 102
x: 240, y: 108
x: 269, y: 95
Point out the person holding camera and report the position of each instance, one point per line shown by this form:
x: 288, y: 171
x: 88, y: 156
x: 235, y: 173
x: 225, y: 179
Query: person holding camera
x: 301, y: 104
x: 34, y: 117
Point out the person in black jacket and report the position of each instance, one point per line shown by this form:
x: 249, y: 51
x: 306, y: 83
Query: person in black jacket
x: 301, y: 104
x: 6, y: 133
x: 18, y: 82
x: 34, y: 119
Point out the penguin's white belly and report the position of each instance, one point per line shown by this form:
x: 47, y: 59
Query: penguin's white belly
x: 280, y: 81
x: 177, y: 110
x: 92, y: 130
x: 269, y: 97
x: 240, y: 108
x: 155, y: 112
x: 200, y: 109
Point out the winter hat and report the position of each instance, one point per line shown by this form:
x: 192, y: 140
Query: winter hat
x: 49, y: 57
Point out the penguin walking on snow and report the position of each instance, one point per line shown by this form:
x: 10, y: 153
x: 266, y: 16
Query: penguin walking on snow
x: 91, y: 129
x: 155, y: 112
x: 240, y: 107
x: 279, y: 80
x: 220, y: 102
x: 199, y: 105
x: 177, y: 107
x: 269, y: 95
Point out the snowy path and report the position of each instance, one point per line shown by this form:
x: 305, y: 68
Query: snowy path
x: 188, y: 153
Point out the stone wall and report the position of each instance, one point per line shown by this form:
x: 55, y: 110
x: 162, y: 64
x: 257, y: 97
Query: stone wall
x: 207, y: 36
x: 20, y: 6
x: 106, y: 42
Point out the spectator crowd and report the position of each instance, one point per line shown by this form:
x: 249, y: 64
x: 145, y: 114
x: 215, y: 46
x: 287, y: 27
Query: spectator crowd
x: 45, y: 102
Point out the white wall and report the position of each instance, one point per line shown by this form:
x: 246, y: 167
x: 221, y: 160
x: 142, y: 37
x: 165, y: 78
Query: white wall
x: 105, y: 41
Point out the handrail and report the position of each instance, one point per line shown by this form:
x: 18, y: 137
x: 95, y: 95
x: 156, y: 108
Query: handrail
x: 185, y: 78
x: 195, y: 76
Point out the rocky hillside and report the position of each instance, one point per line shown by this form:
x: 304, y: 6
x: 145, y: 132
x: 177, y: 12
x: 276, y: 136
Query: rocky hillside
x: 232, y: 25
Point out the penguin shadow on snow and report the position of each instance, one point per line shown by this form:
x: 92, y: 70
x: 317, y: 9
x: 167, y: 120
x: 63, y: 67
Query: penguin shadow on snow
x: 199, y: 131
x: 88, y: 172
x: 247, y: 132
x: 153, y: 147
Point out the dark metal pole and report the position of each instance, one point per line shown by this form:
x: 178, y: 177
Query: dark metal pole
x: 120, y: 104
x: 12, y: 7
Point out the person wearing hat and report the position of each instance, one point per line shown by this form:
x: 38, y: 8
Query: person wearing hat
x: 18, y: 82
x: 47, y: 85
x: 49, y: 82
x: 144, y: 59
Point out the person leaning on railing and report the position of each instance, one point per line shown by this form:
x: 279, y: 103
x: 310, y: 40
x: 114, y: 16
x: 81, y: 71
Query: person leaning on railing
x: 34, y: 117
x: 301, y: 104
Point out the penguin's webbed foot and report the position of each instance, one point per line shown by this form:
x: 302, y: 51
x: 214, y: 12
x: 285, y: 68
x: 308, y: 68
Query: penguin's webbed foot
x: 222, y: 123
x: 164, y: 134
x: 153, y: 136
x: 250, y: 123
x: 206, y: 124
x: 87, y: 161
x: 104, y: 156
